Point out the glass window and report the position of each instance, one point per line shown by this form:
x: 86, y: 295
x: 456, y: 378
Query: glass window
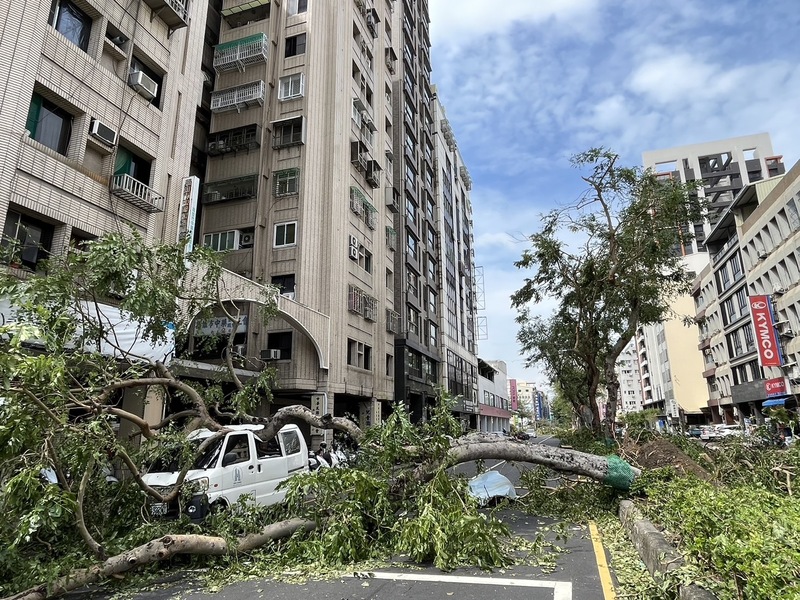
x: 291, y: 442
x: 238, y: 444
x: 295, y: 45
x: 288, y: 133
x: 71, y: 22
x: 296, y: 6
x: 25, y: 241
x: 282, y: 341
x: 221, y: 241
x: 287, y: 182
x: 285, y: 234
x: 128, y: 163
x: 48, y: 124
x: 291, y: 86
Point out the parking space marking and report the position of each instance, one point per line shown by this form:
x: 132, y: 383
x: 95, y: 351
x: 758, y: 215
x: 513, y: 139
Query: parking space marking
x: 562, y: 590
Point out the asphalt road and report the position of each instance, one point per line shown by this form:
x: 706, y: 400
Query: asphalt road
x: 577, y: 575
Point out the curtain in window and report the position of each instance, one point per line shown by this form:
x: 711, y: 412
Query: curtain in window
x: 123, y: 164
x: 35, y: 109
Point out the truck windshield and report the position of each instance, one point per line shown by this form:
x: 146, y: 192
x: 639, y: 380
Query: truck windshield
x: 171, y: 462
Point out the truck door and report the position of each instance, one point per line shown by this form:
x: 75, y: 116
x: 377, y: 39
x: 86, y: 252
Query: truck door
x: 240, y: 476
x: 296, y: 459
x: 271, y: 470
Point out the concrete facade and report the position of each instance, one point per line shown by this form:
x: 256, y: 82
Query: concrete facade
x: 494, y: 407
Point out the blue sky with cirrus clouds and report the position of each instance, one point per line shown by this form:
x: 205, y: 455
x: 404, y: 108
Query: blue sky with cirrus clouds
x: 528, y: 83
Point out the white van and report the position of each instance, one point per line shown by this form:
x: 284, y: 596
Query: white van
x: 235, y: 465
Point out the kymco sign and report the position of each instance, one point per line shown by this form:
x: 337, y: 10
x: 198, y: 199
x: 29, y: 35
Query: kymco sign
x: 775, y: 387
x: 769, y: 351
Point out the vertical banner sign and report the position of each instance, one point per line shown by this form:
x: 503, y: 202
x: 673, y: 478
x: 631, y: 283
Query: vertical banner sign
x: 187, y: 213
x: 318, y: 408
x: 769, y: 351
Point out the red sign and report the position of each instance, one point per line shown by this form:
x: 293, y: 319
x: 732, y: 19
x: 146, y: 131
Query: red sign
x: 775, y: 387
x: 769, y: 351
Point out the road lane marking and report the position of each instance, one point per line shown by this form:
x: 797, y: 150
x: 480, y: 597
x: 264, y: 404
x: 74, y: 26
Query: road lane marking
x: 602, y: 564
x: 562, y: 590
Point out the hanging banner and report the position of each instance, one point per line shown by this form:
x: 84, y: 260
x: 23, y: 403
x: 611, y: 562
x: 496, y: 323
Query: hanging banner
x: 769, y: 350
x: 187, y: 211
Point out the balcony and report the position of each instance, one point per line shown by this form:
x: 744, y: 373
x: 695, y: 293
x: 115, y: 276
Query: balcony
x: 238, y: 188
x: 175, y: 13
x: 240, y: 54
x: 233, y: 140
x: 137, y: 193
x: 239, y: 97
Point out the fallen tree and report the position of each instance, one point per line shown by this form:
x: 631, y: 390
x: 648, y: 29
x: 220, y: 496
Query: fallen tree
x: 63, y: 429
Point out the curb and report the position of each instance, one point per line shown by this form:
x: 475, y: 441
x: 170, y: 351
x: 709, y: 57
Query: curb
x: 658, y: 555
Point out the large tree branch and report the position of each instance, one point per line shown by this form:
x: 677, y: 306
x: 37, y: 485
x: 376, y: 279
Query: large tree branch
x: 95, y: 548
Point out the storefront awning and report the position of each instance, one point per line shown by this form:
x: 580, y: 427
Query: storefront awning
x: 774, y: 402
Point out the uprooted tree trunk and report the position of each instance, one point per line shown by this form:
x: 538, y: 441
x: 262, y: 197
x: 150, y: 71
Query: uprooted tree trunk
x: 162, y: 549
x: 610, y: 470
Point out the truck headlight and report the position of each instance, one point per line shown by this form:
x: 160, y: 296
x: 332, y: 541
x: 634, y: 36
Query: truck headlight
x: 202, y: 484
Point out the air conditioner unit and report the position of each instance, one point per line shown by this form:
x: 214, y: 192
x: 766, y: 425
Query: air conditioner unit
x: 707, y: 352
x: 794, y: 380
x: 143, y: 84
x: 289, y: 295
x: 240, y: 349
x: 353, y: 241
x: 354, y: 252
x: 246, y: 240
x: 763, y: 254
x: 271, y: 354
x: 778, y: 291
x: 103, y: 132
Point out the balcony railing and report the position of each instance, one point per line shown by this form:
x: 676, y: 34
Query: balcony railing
x: 137, y: 193
x: 233, y: 140
x: 175, y: 13
x: 239, y: 54
x: 239, y: 97
x: 238, y: 188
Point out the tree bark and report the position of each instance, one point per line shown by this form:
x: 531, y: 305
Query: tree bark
x: 161, y: 549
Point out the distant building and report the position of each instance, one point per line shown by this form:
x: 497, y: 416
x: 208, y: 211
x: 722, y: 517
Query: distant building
x: 671, y: 366
x: 494, y: 408
x: 630, y: 381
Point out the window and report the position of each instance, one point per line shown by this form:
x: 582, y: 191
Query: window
x: 25, y: 241
x: 432, y: 301
x: 285, y: 283
x: 294, y: 7
x: 295, y: 45
x: 48, y: 124
x: 413, y: 321
x: 239, y: 444
x: 411, y: 246
x: 291, y: 442
x: 285, y: 234
x: 288, y: 133
x: 433, y: 334
x: 71, y: 22
x: 138, y: 65
x: 359, y: 355
x: 287, y: 182
x: 226, y: 240
x: 128, y: 163
x: 291, y: 86
x: 280, y: 340
x: 268, y: 449
x: 413, y: 283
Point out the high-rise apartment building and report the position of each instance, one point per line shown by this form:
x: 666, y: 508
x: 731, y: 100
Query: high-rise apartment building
x: 307, y: 129
x: 630, y: 381
x: 671, y: 367
x: 97, y: 114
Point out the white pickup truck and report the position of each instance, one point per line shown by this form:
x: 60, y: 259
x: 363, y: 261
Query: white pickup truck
x: 237, y: 464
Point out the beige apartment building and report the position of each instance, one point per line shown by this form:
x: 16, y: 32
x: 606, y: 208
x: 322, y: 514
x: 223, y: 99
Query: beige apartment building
x: 672, y: 369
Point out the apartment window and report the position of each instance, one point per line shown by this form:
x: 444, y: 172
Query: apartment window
x: 281, y: 341
x: 221, y: 241
x: 431, y: 269
x: 365, y: 259
x: 285, y: 283
x: 413, y: 321
x: 432, y: 301
x: 285, y: 235
x: 288, y: 133
x: 287, y: 182
x: 295, y: 45
x: 433, y: 334
x: 48, y: 124
x: 411, y: 246
x: 291, y: 86
x: 412, y: 279
x: 138, y: 65
x: 359, y: 355
x: 749, y: 341
x: 128, y: 163
x: 411, y: 210
x: 390, y: 365
x: 71, y: 22
x: 25, y: 241
x: 296, y: 6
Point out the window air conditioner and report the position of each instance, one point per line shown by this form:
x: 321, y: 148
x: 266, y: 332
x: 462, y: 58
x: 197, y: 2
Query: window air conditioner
x: 240, y: 349
x: 353, y: 241
x: 354, y: 252
x: 246, y: 240
x: 143, y: 84
x: 103, y: 132
x: 271, y: 354
x: 779, y: 290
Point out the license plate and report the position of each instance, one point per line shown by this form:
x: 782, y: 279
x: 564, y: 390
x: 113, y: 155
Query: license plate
x: 158, y: 509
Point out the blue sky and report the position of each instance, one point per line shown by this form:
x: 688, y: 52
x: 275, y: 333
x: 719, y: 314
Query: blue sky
x: 528, y: 83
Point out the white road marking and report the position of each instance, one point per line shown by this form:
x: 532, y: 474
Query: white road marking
x: 562, y: 590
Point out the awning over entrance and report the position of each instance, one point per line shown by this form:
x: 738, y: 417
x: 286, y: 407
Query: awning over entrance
x: 773, y: 402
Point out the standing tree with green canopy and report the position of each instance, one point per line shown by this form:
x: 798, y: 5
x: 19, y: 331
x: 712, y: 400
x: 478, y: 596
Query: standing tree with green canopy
x: 621, y: 268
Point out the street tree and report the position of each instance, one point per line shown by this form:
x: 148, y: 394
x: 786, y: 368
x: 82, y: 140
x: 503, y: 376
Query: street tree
x: 65, y: 366
x: 612, y: 261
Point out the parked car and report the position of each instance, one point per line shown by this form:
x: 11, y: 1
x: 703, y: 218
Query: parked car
x: 694, y: 431
x: 237, y: 464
